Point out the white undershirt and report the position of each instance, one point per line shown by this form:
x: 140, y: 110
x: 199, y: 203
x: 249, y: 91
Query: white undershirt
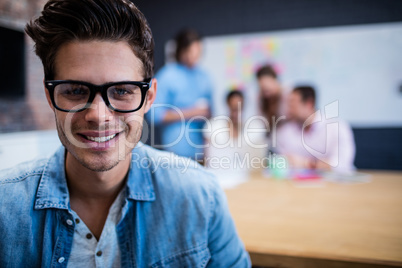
x: 86, y: 249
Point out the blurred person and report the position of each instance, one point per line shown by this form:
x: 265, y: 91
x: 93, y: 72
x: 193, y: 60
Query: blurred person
x: 231, y: 141
x: 272, y: 96
x: 335, y: 148
x: 102, y: 199
x: 184, y: 98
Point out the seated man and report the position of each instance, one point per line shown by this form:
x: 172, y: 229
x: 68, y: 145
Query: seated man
x: 104, y: 198
x: 311, y: 140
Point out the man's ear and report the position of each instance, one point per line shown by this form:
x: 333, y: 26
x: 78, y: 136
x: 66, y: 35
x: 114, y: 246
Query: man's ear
x: 151, y: 95
x: 49, y: 101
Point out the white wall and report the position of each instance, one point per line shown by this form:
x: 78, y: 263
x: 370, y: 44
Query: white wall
x: 360, y: 66
x: 19, y: 147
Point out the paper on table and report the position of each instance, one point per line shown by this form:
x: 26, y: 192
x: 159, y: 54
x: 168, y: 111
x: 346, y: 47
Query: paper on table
x: 230, y: 179
x: 352, y: 177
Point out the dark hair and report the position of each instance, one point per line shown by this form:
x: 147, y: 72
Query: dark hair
x: 233, y: 93
x: 266, y: 70
x: 63, y: 21
x: 184, y: 39
x: 307, y: 93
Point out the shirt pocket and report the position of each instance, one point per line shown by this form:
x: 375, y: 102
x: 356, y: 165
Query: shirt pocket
x: 196, y: 257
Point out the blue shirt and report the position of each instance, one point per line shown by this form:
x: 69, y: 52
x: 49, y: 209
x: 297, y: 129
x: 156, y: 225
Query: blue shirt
x: 173, y: 215
x: 182, y: 88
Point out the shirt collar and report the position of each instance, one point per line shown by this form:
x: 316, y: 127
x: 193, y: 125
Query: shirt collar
x: 53, y: 191
x: 139, y: 182
x: 186, y: 68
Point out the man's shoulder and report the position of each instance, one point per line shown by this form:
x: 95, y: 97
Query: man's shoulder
x: 289, y: 126
x: 22, y: 171
x: 324, y: 123
x: 168, y: 70
x: 170, y: 169
x: 344, y: 124
x: 201, y: 70
x: 169, y: 162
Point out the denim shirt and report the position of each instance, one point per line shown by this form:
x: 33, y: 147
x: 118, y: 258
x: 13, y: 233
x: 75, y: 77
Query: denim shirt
x: 174, y: 215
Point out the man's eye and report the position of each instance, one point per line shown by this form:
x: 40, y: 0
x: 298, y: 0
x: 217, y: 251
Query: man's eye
x: 124, y: 93
x: 78, y: 91
x: 75, y: 91
x: 121, y: 91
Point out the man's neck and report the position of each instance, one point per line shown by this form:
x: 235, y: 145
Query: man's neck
x: 93, y: 193
x: 307, y: 121
x: 91, y: 186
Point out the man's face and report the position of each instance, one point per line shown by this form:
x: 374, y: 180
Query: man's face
x: 297, y: 109
x: 268, y: 86
x: 99, y: 62
x: 192, y: 54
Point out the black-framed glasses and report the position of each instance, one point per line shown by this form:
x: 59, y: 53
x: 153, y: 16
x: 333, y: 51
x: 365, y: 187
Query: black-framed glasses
x: 76, y: 96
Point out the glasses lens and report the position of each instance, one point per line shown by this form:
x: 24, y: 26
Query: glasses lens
x: 71, y: 96
x: 125, y: 97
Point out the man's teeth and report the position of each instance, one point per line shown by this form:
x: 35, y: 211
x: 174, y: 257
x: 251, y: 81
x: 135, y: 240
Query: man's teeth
x: 100, y: 139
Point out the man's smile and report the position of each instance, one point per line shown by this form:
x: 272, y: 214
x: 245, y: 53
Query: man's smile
x: 100, y: 139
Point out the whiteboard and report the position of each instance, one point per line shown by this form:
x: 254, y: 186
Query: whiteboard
x: 359, y: 66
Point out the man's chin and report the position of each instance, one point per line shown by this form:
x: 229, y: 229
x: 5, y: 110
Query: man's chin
x: 95, y: 161
x: 99, y: 167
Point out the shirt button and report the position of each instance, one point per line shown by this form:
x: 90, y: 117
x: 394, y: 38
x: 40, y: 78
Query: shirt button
x: 89, y: 236
x: 77, y: 220
x: 99, y: 253
x: 61, y: 259
x: 69, y: 222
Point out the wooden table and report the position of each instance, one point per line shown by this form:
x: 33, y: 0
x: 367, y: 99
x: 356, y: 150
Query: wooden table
x: 337, y: 225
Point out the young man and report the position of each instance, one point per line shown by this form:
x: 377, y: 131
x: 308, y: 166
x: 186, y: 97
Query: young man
x: 311, y: 141
x: 104, y: 199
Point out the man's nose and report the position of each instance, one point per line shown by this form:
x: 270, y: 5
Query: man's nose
x: 98, y: 111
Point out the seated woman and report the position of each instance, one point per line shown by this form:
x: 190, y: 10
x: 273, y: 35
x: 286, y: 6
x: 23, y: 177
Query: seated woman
x: 233, y: 147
